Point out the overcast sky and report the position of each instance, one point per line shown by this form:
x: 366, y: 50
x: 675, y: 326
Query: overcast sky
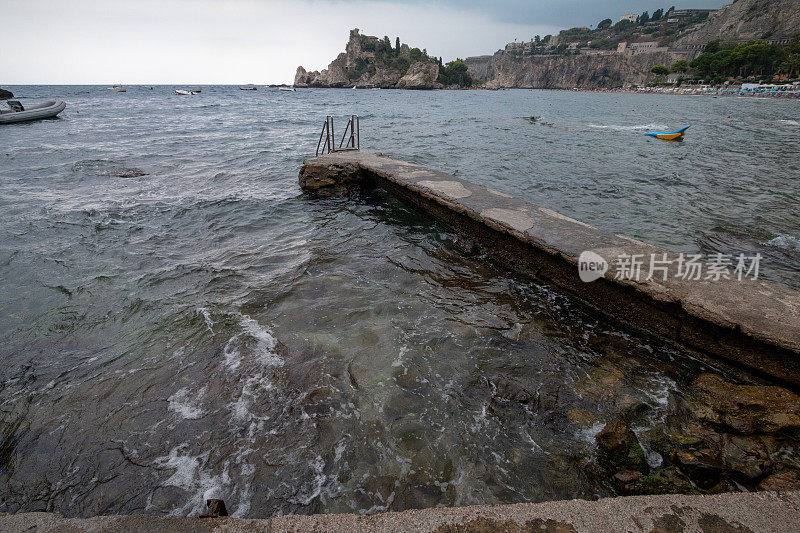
x: 261, y: 41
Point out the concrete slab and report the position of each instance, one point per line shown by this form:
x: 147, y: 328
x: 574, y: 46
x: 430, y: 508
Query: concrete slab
x: 776, y: 512
x: 751, y: 323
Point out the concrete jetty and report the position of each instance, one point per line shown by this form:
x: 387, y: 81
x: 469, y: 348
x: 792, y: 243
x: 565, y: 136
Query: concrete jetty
x: 748, y: 322
x: 776, y: 512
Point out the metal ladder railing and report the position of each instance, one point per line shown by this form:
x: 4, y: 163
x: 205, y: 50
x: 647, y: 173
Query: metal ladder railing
x: 353, y: 139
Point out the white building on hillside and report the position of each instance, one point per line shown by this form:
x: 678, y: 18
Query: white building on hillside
x: 638, y: 47
x: 633, y: 17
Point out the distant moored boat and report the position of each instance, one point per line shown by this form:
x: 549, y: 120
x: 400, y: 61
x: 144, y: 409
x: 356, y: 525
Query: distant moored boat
x: 184, y: 92
x: 117, y: 88
x: 20, y: 113
x: 287, y: 89
x: 248, y: 88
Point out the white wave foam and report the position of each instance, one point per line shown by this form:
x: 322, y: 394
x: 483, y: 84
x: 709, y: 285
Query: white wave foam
x: 240, y: 409
x: 207, y: 317
x: 589, y: 434
x: 786, y: 242
x: 263, y: 350
x: 380, y: 508
x: 190, y: 476
x: 183, y: 403
x: 790, y: 122
x: 399, y: 360
x: 637, y: 127
x: 317, y: 483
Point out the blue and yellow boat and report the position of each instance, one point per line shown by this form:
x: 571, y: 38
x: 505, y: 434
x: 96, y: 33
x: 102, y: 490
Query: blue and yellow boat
x: 669, y: 136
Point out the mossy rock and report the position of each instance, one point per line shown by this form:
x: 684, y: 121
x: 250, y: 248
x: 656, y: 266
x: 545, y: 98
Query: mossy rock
x: 662, y: 485
x: 620, y: 449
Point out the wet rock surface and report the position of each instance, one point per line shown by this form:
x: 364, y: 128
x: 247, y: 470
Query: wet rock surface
x: 5, y: 95
x: 620, y: 449
x: 745, y: 409
x: 736, y: 436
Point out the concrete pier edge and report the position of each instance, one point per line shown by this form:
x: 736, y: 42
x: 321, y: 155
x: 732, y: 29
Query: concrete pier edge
x: 750, y: 323
x: 741, y: 512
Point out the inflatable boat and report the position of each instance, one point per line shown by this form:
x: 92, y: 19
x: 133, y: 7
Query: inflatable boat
x: 184, y: 92
x: 671, y: 136
x: 20, y: 113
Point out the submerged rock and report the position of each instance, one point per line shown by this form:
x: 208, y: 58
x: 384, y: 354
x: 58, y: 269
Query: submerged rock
x: 620, y: 449
x: 748, y: 456
x: 668, y: 481
x: 603, y: 383
x: 5, y: 95
x: 788, y: 479
x: 626, y: 480
x: 746, y: 409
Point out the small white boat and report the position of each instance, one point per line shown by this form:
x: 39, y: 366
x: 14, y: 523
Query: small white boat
x: 20, y: 113
x: 291, y: 89
x: 248, y: 88
x: 117, y: 89
x: 184, y: 92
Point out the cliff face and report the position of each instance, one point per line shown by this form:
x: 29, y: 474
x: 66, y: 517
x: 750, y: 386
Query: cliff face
x: 367, y: 62
x: 749, y: 19
x: 565, y: 72
x: 740, y: 21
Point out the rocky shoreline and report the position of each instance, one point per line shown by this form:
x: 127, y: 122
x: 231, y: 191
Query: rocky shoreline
x: 5, y: 95
x: 722, y: 437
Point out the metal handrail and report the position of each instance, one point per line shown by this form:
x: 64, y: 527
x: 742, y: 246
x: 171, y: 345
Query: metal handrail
x: 344, y: 135
x: 354, y: 127
x: 353, y: 141
x: 322, y: 133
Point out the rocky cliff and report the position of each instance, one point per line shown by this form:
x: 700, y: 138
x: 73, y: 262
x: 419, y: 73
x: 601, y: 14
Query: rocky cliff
x: 776, y: 20
x: 371, y: 62
x: 5, y: 95
x: 749, y: 19
x: 565, y: 72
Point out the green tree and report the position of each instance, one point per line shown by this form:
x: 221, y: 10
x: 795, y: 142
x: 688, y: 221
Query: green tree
x: 657, y: 14
x: 659, y: 70
x: 644, y: 18
x: 753, y: 58
x: 711, y: 47
x: 680, y: 66
x: 791, y: 65
x: 455, y: 73
x: 605, y: 23
x: 415, y: 54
